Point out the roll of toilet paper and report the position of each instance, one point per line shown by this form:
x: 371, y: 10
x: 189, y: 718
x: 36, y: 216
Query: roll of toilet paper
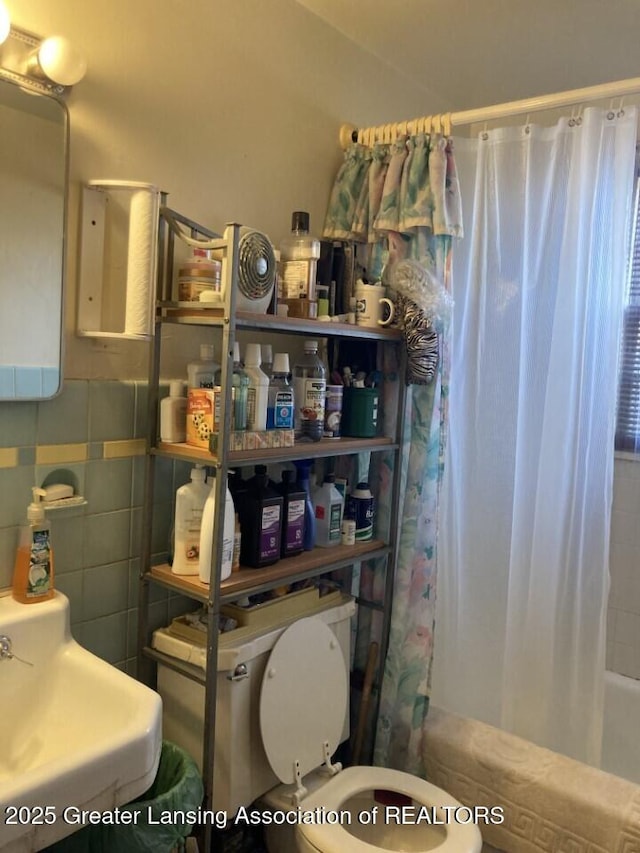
x: 141, y: 263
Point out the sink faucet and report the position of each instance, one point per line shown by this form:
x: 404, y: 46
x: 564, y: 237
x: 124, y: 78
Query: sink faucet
x: 6, y: 653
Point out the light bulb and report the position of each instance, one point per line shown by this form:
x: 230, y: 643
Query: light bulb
x: 5, y: 23
x: 61, y: 62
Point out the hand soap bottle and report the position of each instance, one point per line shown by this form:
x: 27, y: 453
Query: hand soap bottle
x: 33, y: 572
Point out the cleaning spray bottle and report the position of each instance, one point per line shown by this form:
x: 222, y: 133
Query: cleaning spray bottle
x: 33, y: 572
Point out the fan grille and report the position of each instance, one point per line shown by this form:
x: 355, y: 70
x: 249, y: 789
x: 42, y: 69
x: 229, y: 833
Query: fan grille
x: 256, y: 265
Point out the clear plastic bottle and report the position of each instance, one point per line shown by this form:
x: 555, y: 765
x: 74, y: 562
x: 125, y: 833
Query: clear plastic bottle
x: 299, y: 253
x: 33, y: 570
x: 310, y: 391
x: 240, y: 386
x: 258, y: 390
x: 203, y: 373
x: 280, y: 406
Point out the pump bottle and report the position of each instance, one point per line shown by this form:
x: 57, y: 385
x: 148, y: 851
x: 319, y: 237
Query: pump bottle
x: 33, y: 571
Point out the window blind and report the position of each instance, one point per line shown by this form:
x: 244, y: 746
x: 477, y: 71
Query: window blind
x: 628, y: 420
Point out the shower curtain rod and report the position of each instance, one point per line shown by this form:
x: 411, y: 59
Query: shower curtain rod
x: 443, y: 122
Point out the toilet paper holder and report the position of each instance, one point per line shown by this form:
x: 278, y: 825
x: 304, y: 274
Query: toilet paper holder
x: 118, y: 260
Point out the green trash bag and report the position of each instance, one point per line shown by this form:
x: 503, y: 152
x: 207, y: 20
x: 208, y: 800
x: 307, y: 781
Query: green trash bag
x: 177, y: 788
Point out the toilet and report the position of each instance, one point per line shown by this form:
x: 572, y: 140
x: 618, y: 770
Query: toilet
x: 282, y: 710
x: 303, y: 701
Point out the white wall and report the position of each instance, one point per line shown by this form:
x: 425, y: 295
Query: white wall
x: 231, y: 106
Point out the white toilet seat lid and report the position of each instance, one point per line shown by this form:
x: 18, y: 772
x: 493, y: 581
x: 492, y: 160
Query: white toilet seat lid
x: 303, y: 699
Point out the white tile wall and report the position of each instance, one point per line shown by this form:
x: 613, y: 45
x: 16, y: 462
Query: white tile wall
x: 623, y: 617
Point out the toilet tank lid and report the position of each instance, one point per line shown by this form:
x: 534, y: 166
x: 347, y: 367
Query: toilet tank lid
x: 303, y: 699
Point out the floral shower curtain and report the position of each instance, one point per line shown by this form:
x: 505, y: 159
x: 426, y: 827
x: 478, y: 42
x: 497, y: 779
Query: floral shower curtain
x: 403, y: 201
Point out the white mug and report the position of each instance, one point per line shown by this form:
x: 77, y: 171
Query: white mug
x: 370, y: 306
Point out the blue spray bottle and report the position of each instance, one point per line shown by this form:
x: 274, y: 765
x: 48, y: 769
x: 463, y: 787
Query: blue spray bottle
x: 303, y: 467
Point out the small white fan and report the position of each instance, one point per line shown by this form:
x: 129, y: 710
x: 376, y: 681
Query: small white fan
x: 256, y: 271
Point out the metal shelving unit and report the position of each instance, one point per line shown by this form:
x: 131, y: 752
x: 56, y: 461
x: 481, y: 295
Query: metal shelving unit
x: 310, y: 564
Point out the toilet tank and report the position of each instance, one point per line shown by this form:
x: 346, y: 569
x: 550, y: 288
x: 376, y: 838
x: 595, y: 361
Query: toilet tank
x: 241, y: 772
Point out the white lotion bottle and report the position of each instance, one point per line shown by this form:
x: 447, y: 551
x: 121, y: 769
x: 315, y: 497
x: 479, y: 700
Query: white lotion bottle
x: 206, y: 536
x: 190, y: 501
x: 173, y: 414
x: 258, y: 390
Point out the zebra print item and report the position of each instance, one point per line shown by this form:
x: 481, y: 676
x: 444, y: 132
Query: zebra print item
x: 422, y: 342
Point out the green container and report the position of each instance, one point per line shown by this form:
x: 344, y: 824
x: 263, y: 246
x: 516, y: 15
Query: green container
x: 360, y: 412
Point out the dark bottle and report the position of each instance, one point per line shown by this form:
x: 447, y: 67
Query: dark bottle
x: 293, y: 515
x: 303, y: 467
x: 260, y: 513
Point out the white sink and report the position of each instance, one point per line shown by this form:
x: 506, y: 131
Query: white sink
x: 75, y: 732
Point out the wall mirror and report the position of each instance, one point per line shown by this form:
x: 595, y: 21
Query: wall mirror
x: 34, y: 135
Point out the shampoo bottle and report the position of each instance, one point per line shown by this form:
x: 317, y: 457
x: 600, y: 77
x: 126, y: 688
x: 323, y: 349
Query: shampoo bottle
x: 206, y: 536
x: 33, y: 571
x: 190, y: 501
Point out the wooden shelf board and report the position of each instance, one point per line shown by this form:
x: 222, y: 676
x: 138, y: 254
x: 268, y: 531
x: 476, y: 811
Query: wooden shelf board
x: 306, y: 450
x: 245, y: 581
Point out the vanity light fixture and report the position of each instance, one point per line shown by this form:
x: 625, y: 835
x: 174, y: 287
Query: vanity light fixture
x: 58, y: 61
x: 50, y: 65
x: 5, y: 23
